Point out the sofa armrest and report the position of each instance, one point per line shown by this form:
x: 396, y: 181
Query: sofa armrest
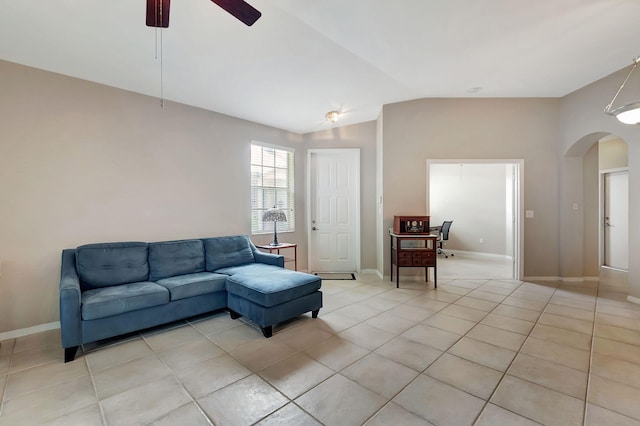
x: 269, y: 258
x: 70, y: 301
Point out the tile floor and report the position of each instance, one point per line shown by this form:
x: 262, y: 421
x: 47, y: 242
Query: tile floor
x: 472, y: 352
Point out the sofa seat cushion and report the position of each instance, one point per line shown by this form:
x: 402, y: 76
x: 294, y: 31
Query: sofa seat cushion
x: 107, y: 264
x: 250, y: 268
x: 189, y: 285
x: 274, y: 287
x: 222, y: 252
x: 109, y: 301
x: 172, y: 258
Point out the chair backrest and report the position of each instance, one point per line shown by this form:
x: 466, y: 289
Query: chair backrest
x: 444, y: 231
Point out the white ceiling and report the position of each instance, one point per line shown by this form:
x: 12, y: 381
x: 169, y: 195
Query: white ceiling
x: 303, y: 58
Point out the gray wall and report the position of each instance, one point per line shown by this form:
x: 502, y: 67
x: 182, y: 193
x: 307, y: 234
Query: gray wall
x: 527, y: 129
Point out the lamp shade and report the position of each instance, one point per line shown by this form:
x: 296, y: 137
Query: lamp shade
x: 274, y: 215
x: 628, y: 114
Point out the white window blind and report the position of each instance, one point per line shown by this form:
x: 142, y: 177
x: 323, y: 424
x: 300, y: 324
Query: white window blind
x: 272, y: 184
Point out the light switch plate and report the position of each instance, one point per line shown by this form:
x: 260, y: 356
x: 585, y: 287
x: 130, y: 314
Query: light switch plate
x: 529, y: 214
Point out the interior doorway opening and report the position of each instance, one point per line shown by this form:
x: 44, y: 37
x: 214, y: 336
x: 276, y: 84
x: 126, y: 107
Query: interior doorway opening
x: 483, y: 198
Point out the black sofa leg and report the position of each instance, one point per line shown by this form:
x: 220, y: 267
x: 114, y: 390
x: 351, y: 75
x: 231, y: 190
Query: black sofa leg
x: 70, y: 353
x: 314, y: 314
x: 234, y: 314
x: 267, y: 331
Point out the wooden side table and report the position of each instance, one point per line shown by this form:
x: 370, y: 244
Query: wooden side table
x: 282, y: 246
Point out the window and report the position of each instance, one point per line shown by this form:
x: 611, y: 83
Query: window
x: 271, y: 185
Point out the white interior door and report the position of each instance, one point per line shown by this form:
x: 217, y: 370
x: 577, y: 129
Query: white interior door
x: 333, y: 210
x: 616, y: 220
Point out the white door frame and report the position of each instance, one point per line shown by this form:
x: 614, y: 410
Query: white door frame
x: 601, y: 207
x: 356, y: 202
x: 518, y: 203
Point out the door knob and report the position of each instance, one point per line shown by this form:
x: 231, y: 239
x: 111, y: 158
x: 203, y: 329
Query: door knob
x: 314, y: 229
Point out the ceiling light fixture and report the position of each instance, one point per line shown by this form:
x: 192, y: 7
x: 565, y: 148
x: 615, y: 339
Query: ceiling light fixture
x: 332, y: 116
x: 629, y: 113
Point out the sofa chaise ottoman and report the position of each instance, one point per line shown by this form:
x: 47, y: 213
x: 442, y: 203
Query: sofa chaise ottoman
x: 110, y: 289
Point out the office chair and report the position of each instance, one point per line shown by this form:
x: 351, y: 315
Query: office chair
x: 444, y: 236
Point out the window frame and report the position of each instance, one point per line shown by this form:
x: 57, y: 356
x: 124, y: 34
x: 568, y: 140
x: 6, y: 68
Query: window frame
x: 280, y: 191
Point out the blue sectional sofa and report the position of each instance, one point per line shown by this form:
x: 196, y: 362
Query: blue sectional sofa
x: 109, y: 289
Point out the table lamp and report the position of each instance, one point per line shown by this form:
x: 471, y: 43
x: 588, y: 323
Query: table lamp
x: 274, y: 215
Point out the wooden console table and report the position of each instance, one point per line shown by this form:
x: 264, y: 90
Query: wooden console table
x: 282, y: 246
x: 414, y: 250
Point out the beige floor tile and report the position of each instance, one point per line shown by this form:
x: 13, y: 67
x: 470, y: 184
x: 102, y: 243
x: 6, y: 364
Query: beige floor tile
x: 393, y: 414
x: 128, y: 375
x: 618, y: 321
x: 618, y: 334
x: 5, y: 360
x: 334, y: 322
x: 6, y: 347
x: 483, y: 353
x: 25, y: 381
x: 366, y: 336
x: 538, y: 403
x: 453, y: 289
x: 468, y: 376
x: 517, y: 312
x: 407, y: 352
x: 211, y: 375
x: 492, y: 415
x: 439, y: 403
x: 358, y: 312
x: 574, y: 303
x: 290, y: 414
x: 483, y: 294
x: 336, y: 353
x: 559, y: 321
x: 429, y: 304
x: 617, y: 349
x: 49, y: 403
x: 190, y: 353
x: 412, y: 312
x: 295, y: 375
x: 118, y: 353
x: 87, y: 416
x: 188, y: 414
x: 45, y: 339
x: 562, y: 336
x: 567, y: 311
x: 498, y: 337
x: 471, y: 284
x: 508, y: 323
x: 443, y: 296
x: 598, y: 416
x: 479, y: 304
x: 431, y: 336
x: 234, y: 337
x: 616, y: 369
x: 302, y: 336
x: 449, y: 323
x: 560, y: 354
x: 164, y: 339
x: 380, y: 375
x: 463, y: 312
x: 379, y: 303
x: 389, y: 322
x: 259, y: 354
x: 164, y: 396
x: 340, y: 401
x: 3, y: 379
x: 38, y: 356
x: 519, y: 302
x: 614, y: 396
x: 242, y: 403
x: 551, y: 375
x: 627, y: 310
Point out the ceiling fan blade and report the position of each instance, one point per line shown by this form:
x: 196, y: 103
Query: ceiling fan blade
x: 158, y: 13
x: 240, y: 9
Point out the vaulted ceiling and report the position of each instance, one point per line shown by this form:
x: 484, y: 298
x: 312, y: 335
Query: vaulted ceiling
x: 303, y: 58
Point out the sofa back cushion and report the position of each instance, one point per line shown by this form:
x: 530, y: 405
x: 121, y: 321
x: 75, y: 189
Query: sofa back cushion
x: 172, y: 258
x: 222, y: 252
x: 108, y: 264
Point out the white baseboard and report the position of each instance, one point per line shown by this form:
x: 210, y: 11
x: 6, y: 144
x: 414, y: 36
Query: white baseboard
x: 542, y: 278
x: 372, y: 271
x: 633, y: 299
x: 29, y: 330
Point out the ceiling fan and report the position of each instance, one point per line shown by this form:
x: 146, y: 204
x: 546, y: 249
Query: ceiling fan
x: 158, y: 11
